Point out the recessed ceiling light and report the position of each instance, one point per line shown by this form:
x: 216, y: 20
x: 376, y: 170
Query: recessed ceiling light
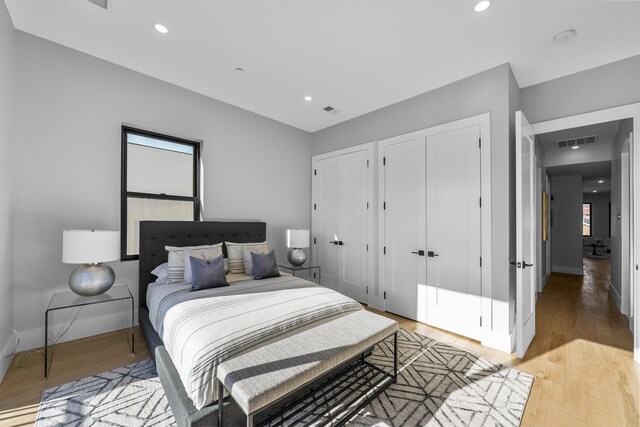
x: 239, y: 69
x: 575, y: 147
x: 161, y: 28
x: 595, y: 191
x: 308, y: 98
x: 600, y: 181
x: 482, y: 5
x: 564, y: 36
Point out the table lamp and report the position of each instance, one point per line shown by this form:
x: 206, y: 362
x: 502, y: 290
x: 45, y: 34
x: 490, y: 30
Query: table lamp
x: 296, y: 240
x: 90, y: 248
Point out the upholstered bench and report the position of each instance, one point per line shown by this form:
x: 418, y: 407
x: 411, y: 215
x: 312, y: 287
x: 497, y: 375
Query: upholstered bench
x: 265, y: 376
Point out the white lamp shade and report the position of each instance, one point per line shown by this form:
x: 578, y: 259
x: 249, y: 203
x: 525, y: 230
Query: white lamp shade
x: 297, y: 238
x: 90, y: 246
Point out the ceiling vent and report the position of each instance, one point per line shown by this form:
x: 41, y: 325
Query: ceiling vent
x: 331, y: 110
x: 577, y: 141
x: 101, y: 3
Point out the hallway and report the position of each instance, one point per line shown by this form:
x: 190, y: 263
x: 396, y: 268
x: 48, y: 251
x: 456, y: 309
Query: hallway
x: 582, y: 355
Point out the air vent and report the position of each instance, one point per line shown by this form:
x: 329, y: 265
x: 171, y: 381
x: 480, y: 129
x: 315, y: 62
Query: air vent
x: 329, y: 109
x: 578, y: 141
x: 101, y: 3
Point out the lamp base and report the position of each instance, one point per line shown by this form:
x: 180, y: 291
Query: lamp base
x: 296, y: 256
x: 91, y: 279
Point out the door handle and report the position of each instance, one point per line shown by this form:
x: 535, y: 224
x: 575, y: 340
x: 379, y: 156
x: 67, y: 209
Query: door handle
x: 525, y: 265
x: 432, y: 254
x: 419, y: 253
x: 334, y: 242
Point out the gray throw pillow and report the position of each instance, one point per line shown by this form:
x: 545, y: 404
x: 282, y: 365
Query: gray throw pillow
x: 265, y: 265
x: 207, y: 273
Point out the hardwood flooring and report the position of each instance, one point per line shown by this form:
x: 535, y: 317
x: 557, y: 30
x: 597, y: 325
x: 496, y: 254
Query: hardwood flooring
x: 581, y: 356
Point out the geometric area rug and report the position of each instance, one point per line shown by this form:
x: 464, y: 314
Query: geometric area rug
x: 438, y: 385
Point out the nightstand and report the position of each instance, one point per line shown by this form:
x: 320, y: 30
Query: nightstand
x: 294, y: 268
x: 67, y: 299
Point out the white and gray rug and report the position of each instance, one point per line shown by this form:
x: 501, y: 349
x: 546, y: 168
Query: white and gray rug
x: 438, y: 385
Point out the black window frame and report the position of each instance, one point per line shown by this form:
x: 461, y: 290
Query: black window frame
x: 124, y: 194
x: 590, y: 219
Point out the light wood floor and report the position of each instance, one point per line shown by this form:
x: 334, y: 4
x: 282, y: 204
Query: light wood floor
x: 581, y: 356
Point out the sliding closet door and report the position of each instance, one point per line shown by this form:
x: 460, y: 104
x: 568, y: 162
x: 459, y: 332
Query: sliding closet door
x: 404, y: 237
x: 353, y: 225
x: 326, y: 218
x: 453, y: 231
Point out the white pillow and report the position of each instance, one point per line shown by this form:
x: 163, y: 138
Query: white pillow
x: 176, y: 261
x: 234, y: 252
x: 247, y: 260
x: 208, y: 253
x: 161, y: 273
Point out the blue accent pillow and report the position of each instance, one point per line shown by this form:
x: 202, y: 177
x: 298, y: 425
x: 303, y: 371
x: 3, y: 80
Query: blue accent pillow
x: 207, y: 273
x: 264, y: 265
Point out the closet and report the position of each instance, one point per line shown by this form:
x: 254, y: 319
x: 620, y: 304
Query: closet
x: 342, y: 220
x: 429, y: 186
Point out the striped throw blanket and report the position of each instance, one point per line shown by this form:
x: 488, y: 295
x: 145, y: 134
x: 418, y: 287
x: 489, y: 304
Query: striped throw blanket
x: 201, y: 329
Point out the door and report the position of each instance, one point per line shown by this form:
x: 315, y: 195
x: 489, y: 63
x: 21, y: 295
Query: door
x: 353, y: 226
x: 404, y: 235
x: 454, y: 274
x: 525, y: 235
x: 325, y: 224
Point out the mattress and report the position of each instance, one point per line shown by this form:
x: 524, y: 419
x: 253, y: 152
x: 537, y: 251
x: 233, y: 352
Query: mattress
x: 201, y: 329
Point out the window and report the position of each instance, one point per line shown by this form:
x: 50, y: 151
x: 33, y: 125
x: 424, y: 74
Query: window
x: 159, y: 182
x: 586, y: 220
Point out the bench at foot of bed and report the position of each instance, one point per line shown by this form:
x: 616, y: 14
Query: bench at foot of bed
x: 268, y: 375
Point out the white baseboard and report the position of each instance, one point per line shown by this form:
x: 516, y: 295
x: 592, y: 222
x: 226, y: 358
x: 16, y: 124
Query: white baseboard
x: 567, y: 270
x: 499, y: 341
x: 5, y: 362
x: 616, y: 296
x: 545, y: 279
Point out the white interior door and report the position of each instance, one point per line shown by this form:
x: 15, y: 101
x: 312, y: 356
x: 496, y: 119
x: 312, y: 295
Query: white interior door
x: 326, y: 219
x: 525, y: 235
x: 353, y: 225
x: 454, y: 275
x: 404, y: 215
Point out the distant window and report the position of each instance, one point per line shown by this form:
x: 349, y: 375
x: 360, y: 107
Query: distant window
x: 159, y: 182
x: 586, y: 219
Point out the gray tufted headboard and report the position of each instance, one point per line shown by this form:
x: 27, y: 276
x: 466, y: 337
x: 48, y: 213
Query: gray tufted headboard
x: 155, y: 235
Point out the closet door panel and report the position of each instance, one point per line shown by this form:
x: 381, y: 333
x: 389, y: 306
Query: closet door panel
x: 353, y: 225
x: 404, y: 216
x: 326, y: 220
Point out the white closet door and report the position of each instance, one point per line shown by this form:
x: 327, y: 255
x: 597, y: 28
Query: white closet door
x: 454, y: 231
x: 326, y: 216
x: 353, y: 225
x: 404, y: 216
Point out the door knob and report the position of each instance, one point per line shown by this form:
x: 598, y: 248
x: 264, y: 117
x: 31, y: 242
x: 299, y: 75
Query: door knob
x: 432, y: 254
x: 525, y: 265
x: 419, y: 253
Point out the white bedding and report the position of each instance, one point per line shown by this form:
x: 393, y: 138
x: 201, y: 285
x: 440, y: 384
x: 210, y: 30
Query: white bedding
x: 201, y: 329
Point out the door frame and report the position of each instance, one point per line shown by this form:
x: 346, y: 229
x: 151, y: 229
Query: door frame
x: 631, y: 111
x: 484, y: 121
x: 369, y: 147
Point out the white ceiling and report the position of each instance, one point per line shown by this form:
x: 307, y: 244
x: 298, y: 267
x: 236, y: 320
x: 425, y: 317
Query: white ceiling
x: 354, y: 55
x: 591, y: 173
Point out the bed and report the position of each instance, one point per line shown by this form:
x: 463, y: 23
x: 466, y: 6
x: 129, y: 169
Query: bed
x: 222, y: 323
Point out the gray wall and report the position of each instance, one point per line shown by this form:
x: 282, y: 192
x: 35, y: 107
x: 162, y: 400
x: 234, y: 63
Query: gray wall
x: 599, y: 213
x: 566, y: 227
x: 67, y: 173
x: 626, y: 126
x: 486, y: 91
x: 610, y: 85
x: 7, y: 67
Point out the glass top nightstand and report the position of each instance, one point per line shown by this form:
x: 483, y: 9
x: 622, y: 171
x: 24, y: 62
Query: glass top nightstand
x: 67, y: 299
x: 294, y: 268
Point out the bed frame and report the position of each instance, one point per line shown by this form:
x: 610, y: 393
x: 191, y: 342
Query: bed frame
x: 154, y: 236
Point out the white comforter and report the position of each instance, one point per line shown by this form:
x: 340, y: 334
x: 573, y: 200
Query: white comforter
x: 201, y: 329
